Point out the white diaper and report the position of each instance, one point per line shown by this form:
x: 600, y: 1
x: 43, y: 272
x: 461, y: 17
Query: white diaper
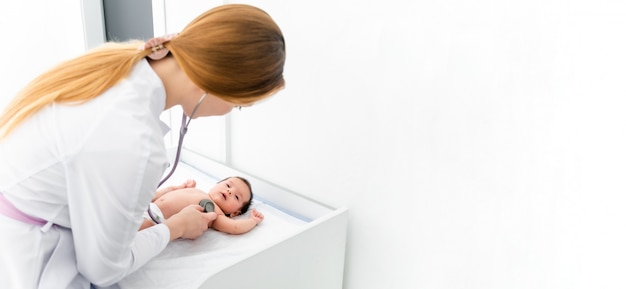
x: 157, y: 215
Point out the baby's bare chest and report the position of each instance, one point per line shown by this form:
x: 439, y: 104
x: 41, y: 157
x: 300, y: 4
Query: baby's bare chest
x: 172, y: 202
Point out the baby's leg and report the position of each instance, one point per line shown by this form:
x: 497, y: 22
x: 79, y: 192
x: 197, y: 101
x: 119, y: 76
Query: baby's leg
x: 146, y: 224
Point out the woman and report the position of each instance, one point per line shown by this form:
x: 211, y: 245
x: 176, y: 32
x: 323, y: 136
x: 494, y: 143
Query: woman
x: 82, y: 151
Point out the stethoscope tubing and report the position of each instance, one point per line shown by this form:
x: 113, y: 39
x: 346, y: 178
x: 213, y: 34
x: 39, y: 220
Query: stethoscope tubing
x: 183, y: 131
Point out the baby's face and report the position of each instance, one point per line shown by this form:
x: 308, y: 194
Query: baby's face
x: 230, y: 195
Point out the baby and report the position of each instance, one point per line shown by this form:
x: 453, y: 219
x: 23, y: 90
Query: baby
x: 230, y: 197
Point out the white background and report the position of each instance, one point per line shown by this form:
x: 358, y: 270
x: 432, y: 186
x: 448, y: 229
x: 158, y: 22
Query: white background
x: 36, y: 34
x: 477, y: 144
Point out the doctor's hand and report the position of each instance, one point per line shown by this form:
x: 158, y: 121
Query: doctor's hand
x: 189, y: 223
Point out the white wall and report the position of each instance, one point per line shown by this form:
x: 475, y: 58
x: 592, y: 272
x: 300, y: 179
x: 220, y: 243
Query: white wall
x: 477, y: 144
x: 36, y: 35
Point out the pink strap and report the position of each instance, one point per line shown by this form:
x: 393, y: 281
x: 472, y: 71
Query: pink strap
x: 157, y: 46
x: 9, y: 210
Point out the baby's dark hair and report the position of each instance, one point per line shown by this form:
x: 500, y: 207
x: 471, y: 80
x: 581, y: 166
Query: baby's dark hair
x: 246, y: 205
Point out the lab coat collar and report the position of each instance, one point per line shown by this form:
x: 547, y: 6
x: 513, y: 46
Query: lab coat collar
x: 164, y: 127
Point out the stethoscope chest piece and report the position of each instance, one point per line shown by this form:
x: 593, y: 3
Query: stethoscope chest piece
x: 207, y: 205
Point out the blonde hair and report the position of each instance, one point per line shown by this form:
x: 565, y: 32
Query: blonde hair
x: 235, y: 52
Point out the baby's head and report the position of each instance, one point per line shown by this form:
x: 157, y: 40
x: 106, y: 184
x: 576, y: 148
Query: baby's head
x: 233, y: 195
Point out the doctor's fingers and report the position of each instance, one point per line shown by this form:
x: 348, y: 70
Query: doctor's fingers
x: 195, y: 222
x: 210, y: 216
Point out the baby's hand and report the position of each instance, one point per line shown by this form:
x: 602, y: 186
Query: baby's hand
x: 256, y: 216
x: 187, y: 184
x: 160, y: 192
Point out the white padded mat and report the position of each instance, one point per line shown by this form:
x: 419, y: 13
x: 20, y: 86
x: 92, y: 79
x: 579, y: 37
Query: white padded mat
x: 188, y: 263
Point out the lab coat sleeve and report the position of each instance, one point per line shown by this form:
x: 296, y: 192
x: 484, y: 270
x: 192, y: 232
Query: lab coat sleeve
x: 111, y: 178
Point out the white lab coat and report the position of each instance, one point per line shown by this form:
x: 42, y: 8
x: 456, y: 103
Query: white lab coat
x: 91, y: 170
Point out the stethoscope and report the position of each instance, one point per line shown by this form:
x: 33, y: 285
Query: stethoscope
x: 183, y: 131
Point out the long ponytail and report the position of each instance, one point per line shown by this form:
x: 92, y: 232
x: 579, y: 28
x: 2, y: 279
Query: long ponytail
x: 235, y: 52
x: 75, y: 81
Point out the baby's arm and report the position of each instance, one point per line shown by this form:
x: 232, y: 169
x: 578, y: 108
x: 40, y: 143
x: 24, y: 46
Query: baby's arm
x: 240, y: 226
x: 163, y: 191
